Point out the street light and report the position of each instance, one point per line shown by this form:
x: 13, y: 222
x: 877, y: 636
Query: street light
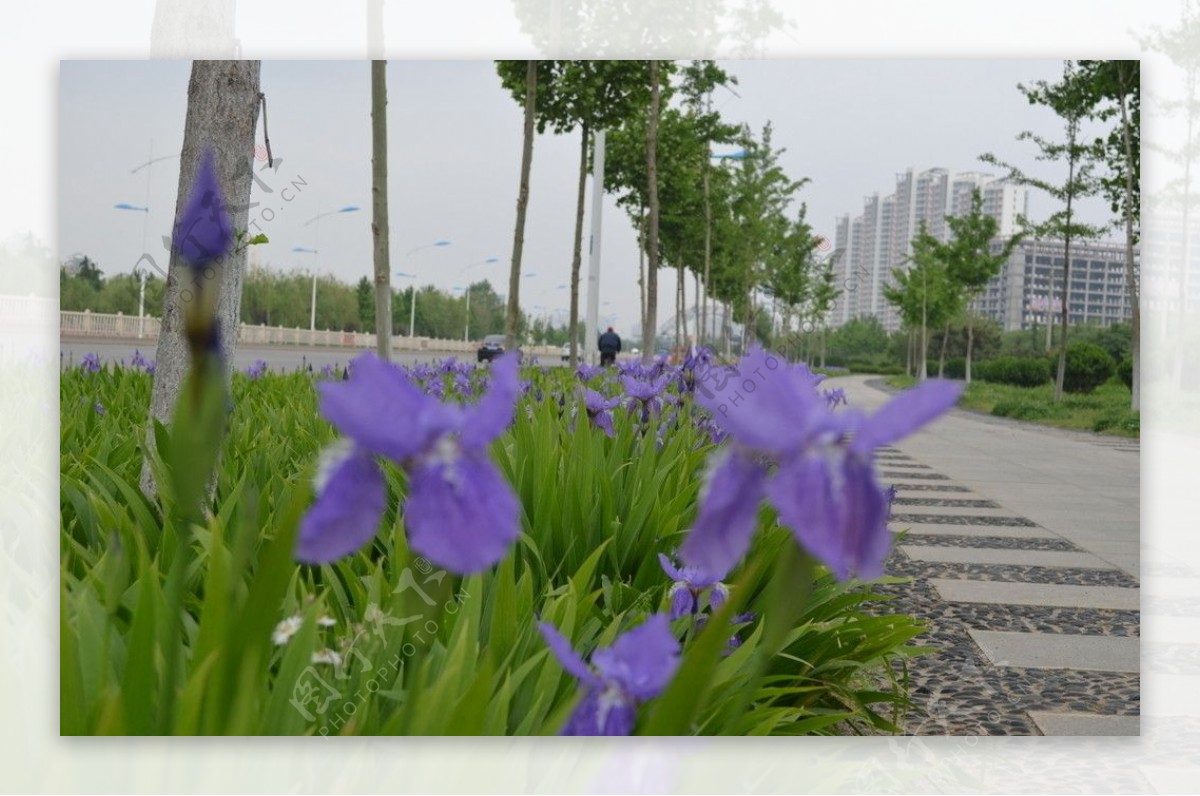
x: 467, y: 325
x: 141, y: 273
x: 312, y: 314
x: 412, y: 310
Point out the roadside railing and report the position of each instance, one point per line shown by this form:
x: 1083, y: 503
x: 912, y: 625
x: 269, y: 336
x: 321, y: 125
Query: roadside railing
x: 88, y: 324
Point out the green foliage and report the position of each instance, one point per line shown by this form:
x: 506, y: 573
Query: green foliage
x: 1013, y: 371
x: 858, y: 338
x: 596, y: 511
x: 1105, y: 410
x: 1125, y: 372
x: 1088, y: 366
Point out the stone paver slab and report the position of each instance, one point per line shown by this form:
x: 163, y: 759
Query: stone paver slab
x: 1010, y: 531
x: 1059, y: 651
x: 1059, y: 596
x: 992, y: 555
x: 1076, y: 723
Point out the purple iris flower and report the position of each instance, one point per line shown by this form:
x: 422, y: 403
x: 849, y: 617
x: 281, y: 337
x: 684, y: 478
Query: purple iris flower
x: 637, y: 667
x: 140, y: 361
x: 823, y: 483
x: 588, y: 372
x: 90, y: 363
x: 257, y: 370
x: 204, y: 232
x: 100, y: 410
x: 327, y: 371
x: 690, y: 584
x: 646, y: 395
x: 460, y: 512
x: 599, y: 410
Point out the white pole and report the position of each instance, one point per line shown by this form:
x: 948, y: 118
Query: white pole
x: 145, y: 229
x: 312, y: 313
x: 593, y: 295
x: 412, y: 309
x: 467, y: 325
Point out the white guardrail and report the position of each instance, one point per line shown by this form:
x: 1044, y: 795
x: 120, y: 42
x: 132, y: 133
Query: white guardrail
x: 120, y: 327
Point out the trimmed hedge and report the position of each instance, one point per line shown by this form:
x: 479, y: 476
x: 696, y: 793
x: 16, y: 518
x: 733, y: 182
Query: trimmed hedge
x: 1015, y: 371
x: 1088, y: 366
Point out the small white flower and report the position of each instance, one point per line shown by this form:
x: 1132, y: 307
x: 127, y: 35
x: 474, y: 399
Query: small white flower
x: 326, y: 621
x: 327, y: 656
x: 286, y: 629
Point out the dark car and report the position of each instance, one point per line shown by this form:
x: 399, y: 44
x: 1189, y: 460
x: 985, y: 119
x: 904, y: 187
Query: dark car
x: 491, y: 347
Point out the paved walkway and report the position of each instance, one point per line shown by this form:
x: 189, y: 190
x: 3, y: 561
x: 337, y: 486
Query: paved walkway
x: 1023, y: 542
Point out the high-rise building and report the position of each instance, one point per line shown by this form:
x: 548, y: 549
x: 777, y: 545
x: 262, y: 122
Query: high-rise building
x: 1030, y: 284
x: 870, y: 246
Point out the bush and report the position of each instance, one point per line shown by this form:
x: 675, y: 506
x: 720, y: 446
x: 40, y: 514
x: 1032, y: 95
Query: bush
x: 1125, y: 372
x: 1013, y: 370
x: 1088, y: 366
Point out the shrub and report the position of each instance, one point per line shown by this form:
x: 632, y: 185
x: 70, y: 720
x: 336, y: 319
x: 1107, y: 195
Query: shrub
x: 1013, y: 370
x: 1125, y: 372
x: 1088, y: 366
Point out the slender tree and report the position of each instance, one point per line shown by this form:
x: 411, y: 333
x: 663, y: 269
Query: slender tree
x: 1069, y: 100
x: 222, y: 116
x: 379, y: 209
x: 652, y: 253
x: 512, y: 318
x: 1113, y: 89
x: 972, y: 263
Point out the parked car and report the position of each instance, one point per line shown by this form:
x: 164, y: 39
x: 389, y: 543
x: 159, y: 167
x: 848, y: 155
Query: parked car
x: 491, y: 347
x: 566, y: 352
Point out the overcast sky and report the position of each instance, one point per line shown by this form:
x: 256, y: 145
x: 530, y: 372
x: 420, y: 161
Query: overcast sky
x: 849, y: 125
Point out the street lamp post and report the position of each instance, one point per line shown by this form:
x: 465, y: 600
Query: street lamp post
x: 315, y: 250
x: 141, y: 272
x: 412, y: 310
x: 467, y: 290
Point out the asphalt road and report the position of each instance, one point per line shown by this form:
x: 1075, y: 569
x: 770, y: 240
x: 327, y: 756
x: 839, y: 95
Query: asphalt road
x: 276, y: 357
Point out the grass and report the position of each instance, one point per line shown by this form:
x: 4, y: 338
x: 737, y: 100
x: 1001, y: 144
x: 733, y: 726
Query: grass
x: 1106, y: 410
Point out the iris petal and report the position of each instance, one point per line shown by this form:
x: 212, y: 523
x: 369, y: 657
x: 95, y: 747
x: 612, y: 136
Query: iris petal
x: 461, y: 514
x: 728, y: 514
x: 345, y: 514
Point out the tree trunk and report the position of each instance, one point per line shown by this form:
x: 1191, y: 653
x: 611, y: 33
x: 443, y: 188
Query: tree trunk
x: 577, y: 254
x: 683, y: 323
x: 970, y: 346
x: 513, y: 316
x: 1066, y: 289
x: 379, y: 211
x: 641, y: 239
x: 908, y: 364
x: 942, y: 354
x: 707, y: 250
x: 222, y: 115
x: 648, y: 333
x: 1135, y: 342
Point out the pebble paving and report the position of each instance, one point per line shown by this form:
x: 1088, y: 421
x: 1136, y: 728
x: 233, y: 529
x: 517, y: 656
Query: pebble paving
x: 956, y: 689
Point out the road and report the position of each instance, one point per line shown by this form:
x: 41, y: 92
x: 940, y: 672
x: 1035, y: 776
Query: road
x: 1023, y: 545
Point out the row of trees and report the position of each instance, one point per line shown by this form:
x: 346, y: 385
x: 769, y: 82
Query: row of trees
x: 275, y: 298
x: 943, y: 277
x: 733, y: 230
